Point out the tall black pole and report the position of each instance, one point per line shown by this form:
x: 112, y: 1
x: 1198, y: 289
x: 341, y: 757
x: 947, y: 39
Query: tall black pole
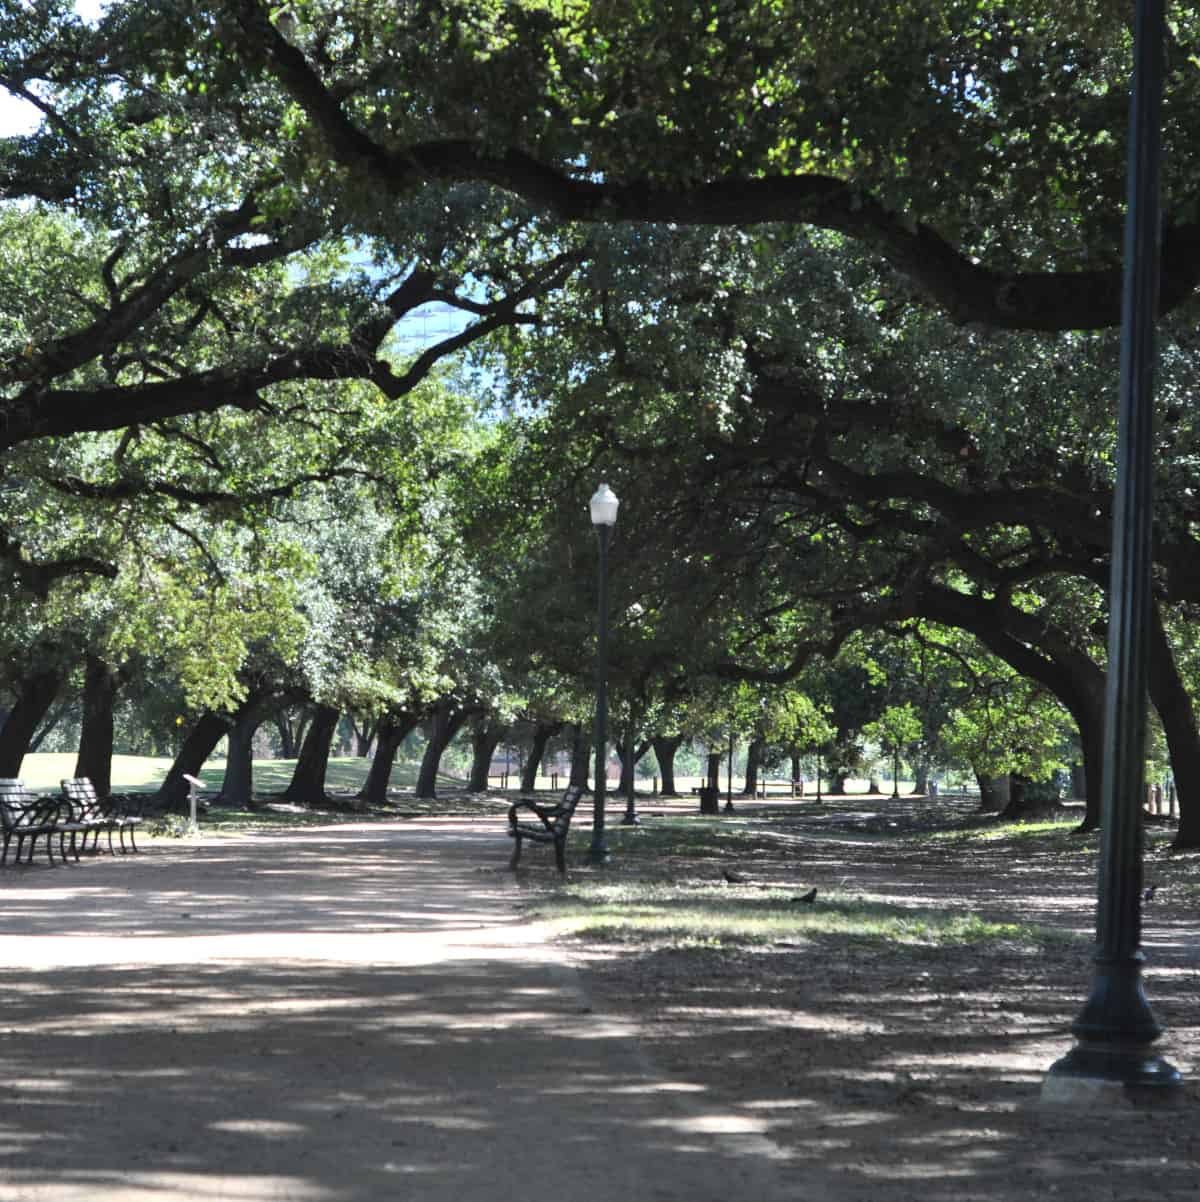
x: 598, y: 852
x: 1116, y: 1027
x: 729, y: 777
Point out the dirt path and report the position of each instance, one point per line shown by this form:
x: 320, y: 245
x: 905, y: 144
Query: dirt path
x: 338, y: 1015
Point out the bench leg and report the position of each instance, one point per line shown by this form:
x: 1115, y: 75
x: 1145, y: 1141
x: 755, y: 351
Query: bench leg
x: 132, y: 841
x: 516, y: 856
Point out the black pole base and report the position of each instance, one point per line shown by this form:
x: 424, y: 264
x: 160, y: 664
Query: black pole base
x: 598, y: 852
x: 631, y: 819
x: 1120, y: 1073
x: 729, y: 807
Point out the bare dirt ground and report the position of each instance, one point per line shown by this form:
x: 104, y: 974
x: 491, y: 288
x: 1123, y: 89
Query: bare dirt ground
x: 887, y: 1072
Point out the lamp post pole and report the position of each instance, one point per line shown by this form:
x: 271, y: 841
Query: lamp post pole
x: 631, y: 815
x: 729, y: 777
x: 603, y: 508
x: 1115, y: 1028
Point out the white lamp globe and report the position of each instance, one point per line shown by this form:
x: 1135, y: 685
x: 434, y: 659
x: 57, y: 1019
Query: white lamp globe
x: 604, y: 505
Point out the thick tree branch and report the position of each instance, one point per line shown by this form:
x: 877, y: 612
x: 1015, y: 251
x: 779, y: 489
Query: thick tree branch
x: 966, y: 289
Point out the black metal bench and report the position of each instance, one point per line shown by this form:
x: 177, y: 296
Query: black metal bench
x: 26, y: 816
x: 553, y: 823
x: 101, y: 813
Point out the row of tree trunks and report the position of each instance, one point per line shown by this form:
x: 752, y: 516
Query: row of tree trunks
x: 1073, y: 677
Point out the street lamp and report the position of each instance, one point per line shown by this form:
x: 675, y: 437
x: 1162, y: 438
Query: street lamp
x: 1116, y: 1027
x: 603, y: 506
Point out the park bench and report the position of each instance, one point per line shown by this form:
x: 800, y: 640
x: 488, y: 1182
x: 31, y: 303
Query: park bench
x: 26, y: 816
x: 553, y: 823
x: 101, y: 813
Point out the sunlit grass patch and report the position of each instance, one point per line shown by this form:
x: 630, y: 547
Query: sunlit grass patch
x: 644, y: 912
x: 696, y: 838
x: 1059, y: 833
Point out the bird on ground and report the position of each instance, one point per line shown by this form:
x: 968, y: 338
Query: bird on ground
x: 734, y: 878
x: 1149, y: 892
x: 806, y: 899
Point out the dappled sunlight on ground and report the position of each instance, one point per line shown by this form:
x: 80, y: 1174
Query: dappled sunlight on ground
x: 337, y: 1015
x: 887, y: 1070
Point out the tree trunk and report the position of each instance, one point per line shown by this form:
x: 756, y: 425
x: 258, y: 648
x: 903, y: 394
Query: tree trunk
x: 35, y: 695
x: 627, y: 756
x: 100, y: 685
x: 237, y: 789
x: 1078, y: 782
x: 287, y: 737
x: 308, y: 780
x: 1174, y: 706
x: 795, y: 766
x: 485, y: 738
x: 1036, y: 649
x: 665, y: 747
x: 837, y: 783
x: 393, y: 729
x: 921, y: 783
x: 197, y: 747
x: 543, y: 732
x: 364, y: 736
x: 581, y: 756
x: 447, y: 721
x: 873, y: 785
x: 994, y: 793
x: 714, y: 770
x: 754, y: 756
x: 49, y: 722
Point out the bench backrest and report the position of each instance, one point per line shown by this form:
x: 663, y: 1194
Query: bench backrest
x: 16, y: 803
x: 570, y: 799
x: 81, y: 796
x: 80, y: 788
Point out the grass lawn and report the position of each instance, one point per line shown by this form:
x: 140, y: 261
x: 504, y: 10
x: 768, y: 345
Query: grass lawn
x: 136, y: 773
